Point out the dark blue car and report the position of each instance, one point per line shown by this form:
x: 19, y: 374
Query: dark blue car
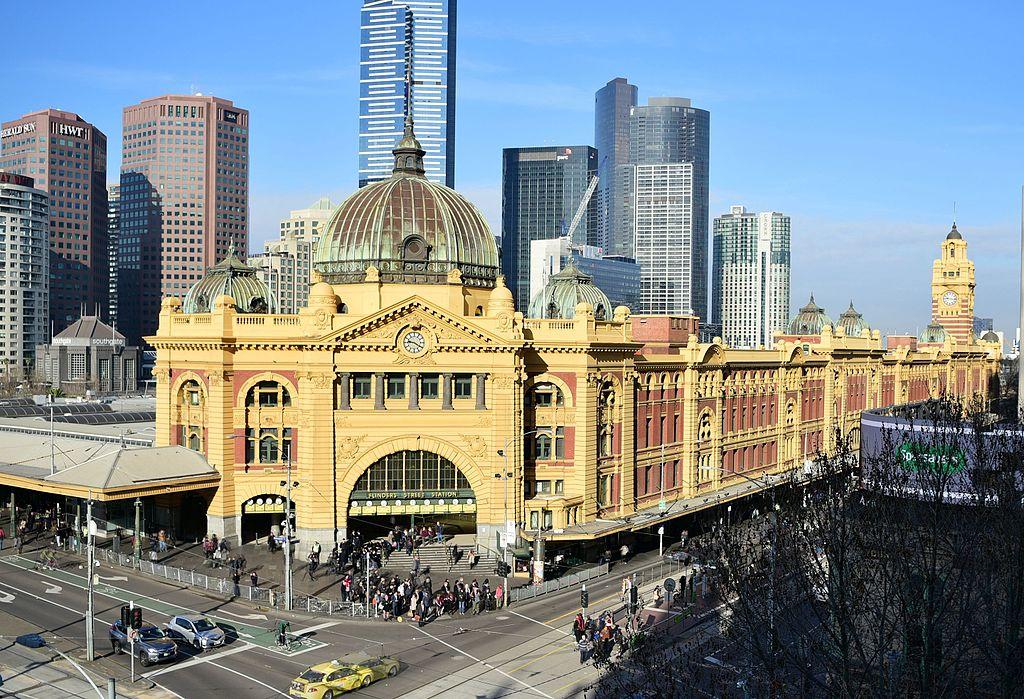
x: 151, y: 646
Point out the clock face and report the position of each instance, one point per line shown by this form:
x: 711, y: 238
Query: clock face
x: 414, y: 342
x: 949, y: 298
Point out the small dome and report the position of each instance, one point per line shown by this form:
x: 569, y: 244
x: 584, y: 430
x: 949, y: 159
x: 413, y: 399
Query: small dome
x: 811, y: 320
x: 990, y: 337
x: 852, y: 322
x: 409, y: 228
x: 500, y: 299
x: 934, y: 334
x: 954, y: 234
x: 562, y: 293
x: 233, y: 278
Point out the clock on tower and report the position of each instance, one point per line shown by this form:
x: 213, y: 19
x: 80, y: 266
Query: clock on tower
x: 953, y: 289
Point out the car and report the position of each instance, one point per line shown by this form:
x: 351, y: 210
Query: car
x: 151, y: 646
x: 196, y: 630
x: 332, y: 679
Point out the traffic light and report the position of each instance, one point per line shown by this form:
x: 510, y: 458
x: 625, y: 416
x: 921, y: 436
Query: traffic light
x: 633, y: 597
x: 126, y: 616
x: 137, y: 618
x: 584, y: 599
x: 503, y: 569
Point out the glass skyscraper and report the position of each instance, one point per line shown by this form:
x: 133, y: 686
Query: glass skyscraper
x: 392, y: 31
x: 664, y: 206
x: 612, y: 104
x: 541, y: 190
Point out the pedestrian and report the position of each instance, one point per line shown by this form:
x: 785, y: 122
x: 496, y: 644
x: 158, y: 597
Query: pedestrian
x: 585, y: 645
x: 440, y: 533
x: 235, y: 578
x: 283, y: 627
x: 624, y: 553
x: 254, y: 580
x: 3, y: 535
x: 578, y: 626
x: 499, y: 597
x: 416, y: 565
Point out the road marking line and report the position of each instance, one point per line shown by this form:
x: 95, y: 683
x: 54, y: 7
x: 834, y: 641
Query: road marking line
x: 325, y: 625
x: 557, y: 649
x: 253, y: 679
x: 196, y: 660
x: 487, y: 665
x: 537, y: 621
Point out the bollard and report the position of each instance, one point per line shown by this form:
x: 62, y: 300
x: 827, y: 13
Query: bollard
x: 111, y: 692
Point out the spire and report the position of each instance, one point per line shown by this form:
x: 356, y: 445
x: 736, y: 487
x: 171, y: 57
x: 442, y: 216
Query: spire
x: 408, y: 153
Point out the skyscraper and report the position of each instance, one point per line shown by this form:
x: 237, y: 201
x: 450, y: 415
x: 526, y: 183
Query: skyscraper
x: 24, y: 272
x: 668, y: 131
x: 541, y: 190
x: 393, y: 32
x: 750, y: 276
x: 67, y: 158
x: 113, y: 236
x: 184, y: 199
x: 285, y: 265
x: 612, y: 104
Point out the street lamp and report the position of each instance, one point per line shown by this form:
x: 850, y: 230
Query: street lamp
x: 138, y: 530
x: 505, y: 475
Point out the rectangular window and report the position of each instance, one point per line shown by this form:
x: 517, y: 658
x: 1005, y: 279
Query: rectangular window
x: 463, y: 386
x: 559, y: 487
x: 430, y: 386
x: 543, y: 487
x: 548, y: 520
x: 396, y: 385
x: 361, y: 385
x: 534, y: 519
x: 560, y: 443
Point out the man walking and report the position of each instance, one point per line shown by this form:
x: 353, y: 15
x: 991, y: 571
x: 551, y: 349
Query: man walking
x: 254, y: 580
x: 578, y: 626
x: 585, y: 646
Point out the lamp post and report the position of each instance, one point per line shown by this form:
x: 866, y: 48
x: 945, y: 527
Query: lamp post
x: 90, y: 651
x: 505, y: 475
x: 288, y: 535
x: 53, y: 464
x: 138, y: 530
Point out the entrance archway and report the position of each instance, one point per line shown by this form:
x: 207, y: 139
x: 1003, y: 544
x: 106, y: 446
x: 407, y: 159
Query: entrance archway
x: 411, y: 488
x: 260, y: 514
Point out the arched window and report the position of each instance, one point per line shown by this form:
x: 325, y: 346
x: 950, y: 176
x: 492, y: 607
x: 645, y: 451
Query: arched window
x: 194, y: 441
x: 268, y: 445
x: 599, y: 312
x: 704, y: 430
x: 542, y: 450
x: 479, y: 311
x: 544, y: 395
x: 411, y: 471
x: 268, y: 394
x: 191, y: 394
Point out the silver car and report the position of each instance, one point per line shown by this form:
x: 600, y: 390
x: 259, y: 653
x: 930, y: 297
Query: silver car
x: 196, y: 630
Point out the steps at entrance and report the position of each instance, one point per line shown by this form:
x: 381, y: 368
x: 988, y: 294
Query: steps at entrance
x: 435, y: 557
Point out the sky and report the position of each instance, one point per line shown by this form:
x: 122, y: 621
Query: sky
x: 867, y: 123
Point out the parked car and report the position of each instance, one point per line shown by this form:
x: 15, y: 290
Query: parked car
x: 151, y: 646
x: 332, y: 679
x: 196, y: 630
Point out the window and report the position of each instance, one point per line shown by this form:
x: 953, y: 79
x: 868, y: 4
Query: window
x: 542, y: 446
x: 396, y: 386
x: 534, y: 519
x: 191, y: 393
x: 559, y: 442
x: 268, y: 394
x: 604, y: 490
x: 543, y: 488
x: 544, y: 395
x: 268, y: 446
x: 559, y: 487
x: 548, y: 520
x: 362, y: 385
x: 429, y: 386
x: 463, y: 386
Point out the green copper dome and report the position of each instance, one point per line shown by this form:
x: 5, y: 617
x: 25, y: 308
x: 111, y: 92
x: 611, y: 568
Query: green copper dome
x: 852, y: 322
x: 934, y: 334
x: 411, y: 229
x: 564, y: 290
x: 234, y: 278
x: 811, y: 320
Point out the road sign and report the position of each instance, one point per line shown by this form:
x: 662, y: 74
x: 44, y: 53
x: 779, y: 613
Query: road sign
x: 509, y: 538
x: 662, y: 505
x: 669, y: 585
x: 133, y: 635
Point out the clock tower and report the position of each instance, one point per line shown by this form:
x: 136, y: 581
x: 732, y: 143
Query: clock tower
x: 953, y: 289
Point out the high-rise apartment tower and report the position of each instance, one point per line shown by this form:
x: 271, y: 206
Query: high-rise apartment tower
x: 612, y: 104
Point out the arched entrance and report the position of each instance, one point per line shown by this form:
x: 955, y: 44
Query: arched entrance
x: 409, y: 488
x: 260, y: 514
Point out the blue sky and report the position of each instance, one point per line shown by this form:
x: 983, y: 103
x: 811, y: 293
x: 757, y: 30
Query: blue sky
x: 863, y: 121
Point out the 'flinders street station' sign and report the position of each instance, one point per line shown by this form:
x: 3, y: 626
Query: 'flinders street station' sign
x: 393, y: 502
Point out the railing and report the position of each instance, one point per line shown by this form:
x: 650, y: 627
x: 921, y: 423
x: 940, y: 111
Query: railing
x: 519, y: 594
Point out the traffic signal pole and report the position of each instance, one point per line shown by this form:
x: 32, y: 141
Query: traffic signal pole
x: 90, y: 650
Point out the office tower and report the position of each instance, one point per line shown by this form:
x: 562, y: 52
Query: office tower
x: 184, y: 200
x: 67, y: 158
x: 113, y: 236
x: 750, y: 276
x: 668, y: 131
x: 285, y: 265
x: 392, y: 33
x: 24, y: 272
x: 617, y: 277
x: 611, y: 138
x: 541, y: 190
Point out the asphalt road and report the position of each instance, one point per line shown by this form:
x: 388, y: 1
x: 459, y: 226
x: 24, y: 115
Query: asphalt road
x: 523, y: 651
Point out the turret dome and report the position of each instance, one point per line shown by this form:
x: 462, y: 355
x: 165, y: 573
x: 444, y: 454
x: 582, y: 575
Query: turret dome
x: 410, y: 229
x: 852, y: 322
x: 954, y: 234
x: 230, y: 277
x: 811, y: 320
x: 934, y: 334
x: 566, y: 289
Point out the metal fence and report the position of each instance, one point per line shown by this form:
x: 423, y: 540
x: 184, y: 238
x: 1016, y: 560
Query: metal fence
x: 519, y: 594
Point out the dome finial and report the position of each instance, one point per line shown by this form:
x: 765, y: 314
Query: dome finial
x: 408, y: 153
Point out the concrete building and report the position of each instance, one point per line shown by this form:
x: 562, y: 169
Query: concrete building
x: 409, y: 379
x: 392, y: 33
x: 113, y: 241
x: 542, y: 188
x: 618, y: 277
x: 750, y: 276
x: 24, y: 273
x: 89, y: 355
x: 667, y: 133
x: 612, y: 105
x: 67, y: 158
x: 184, y: 199
x: 285, y: 265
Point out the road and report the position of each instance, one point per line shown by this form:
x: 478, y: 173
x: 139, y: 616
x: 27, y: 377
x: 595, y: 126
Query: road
x: 524, y: 651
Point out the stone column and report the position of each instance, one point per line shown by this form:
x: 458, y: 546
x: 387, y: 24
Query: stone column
x: 481, y: 391
x: 346, y: 392
x: 414, y: 391
x: 378, y: 391
x: 446, y: 392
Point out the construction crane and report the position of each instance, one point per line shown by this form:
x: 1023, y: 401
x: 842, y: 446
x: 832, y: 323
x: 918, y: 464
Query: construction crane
x: 583, y: 205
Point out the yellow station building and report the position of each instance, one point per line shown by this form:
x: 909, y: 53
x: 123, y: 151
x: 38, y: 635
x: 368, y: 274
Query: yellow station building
x: 411, y: 387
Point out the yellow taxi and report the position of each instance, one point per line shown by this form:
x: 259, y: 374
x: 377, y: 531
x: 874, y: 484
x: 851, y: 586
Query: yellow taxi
x: 332, y: 679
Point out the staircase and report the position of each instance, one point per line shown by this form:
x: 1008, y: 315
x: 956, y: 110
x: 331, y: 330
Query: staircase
x: 434, y: 557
